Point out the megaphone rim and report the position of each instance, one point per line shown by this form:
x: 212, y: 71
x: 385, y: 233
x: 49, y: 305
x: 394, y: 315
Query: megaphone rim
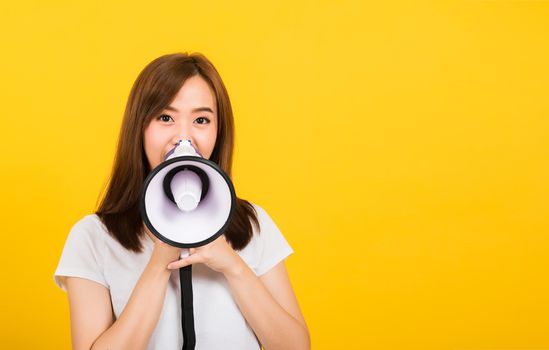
x: 162, y: 166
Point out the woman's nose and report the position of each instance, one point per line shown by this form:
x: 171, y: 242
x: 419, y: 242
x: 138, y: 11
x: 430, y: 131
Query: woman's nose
x: 183, y: 135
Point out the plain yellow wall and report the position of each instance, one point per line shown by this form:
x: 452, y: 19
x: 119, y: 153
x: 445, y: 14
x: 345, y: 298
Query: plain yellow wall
x: 401, y: 147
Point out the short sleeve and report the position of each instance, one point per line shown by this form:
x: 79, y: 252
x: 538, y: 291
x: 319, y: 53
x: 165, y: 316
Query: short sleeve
x: 273, y: 247
x: 82, y: 253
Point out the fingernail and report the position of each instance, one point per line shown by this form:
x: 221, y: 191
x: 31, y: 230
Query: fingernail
x: 170, y: 266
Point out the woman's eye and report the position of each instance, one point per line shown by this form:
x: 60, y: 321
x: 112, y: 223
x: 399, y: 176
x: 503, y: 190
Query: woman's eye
x: 165, y: 118
x: 202, y: 120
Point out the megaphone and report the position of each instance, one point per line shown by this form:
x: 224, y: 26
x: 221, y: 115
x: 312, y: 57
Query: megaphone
x: 187, y: 201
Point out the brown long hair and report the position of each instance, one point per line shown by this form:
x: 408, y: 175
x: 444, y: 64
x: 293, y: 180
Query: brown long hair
x: 154, y: 89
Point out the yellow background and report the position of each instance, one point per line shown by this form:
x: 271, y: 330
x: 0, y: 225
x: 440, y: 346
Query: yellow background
x: 401, y: 147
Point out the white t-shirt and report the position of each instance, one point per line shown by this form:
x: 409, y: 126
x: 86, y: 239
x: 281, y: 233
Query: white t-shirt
x: 91, y: 253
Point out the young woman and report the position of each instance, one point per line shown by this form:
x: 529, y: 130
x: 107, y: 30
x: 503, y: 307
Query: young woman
x: 123, y: 283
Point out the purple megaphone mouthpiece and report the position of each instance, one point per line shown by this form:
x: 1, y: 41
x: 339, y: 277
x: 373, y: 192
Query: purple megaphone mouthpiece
x: 183, y: 148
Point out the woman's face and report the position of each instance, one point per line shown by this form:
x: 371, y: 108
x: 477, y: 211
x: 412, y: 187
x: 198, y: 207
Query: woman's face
x: 192, y: 115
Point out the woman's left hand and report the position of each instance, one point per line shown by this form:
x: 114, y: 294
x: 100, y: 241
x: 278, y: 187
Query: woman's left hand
x: 217, y: 255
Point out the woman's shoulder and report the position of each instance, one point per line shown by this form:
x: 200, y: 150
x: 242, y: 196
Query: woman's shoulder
x: 261, y: 214
x: 89, y: 227
x: 268, y: 245
x: 90, y: 221
x: 83, y: 252
x: 264, y: 219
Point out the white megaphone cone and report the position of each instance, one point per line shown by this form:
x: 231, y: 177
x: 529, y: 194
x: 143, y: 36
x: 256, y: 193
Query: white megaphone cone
x: 187, y: 201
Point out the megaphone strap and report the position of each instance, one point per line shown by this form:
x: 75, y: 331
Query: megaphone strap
x: 187, y: 312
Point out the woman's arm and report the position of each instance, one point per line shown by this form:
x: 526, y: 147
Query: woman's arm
x: 90, y: 311
x: 92, y: 318
x: 268, y: 302
x: 269, y: 305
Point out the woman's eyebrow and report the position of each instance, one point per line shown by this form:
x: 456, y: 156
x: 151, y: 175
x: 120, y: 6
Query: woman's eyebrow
x: 202, y: 109
x: 198, y: 109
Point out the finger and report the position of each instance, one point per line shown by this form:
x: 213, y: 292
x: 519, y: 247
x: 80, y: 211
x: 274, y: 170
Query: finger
x: 191, y: 259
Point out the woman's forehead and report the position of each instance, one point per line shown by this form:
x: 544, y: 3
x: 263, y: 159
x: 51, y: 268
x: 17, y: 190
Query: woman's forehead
x: 194, y: 95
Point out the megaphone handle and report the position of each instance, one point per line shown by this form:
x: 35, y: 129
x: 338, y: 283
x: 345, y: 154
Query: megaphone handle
x: 184, y: 253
